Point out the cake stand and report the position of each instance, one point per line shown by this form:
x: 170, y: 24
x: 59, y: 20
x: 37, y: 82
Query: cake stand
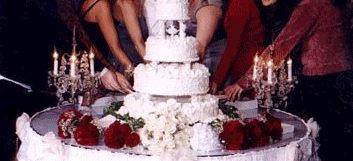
x: 39, y: 141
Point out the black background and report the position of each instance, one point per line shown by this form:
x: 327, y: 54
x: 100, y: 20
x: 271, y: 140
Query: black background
x: 28, y: 31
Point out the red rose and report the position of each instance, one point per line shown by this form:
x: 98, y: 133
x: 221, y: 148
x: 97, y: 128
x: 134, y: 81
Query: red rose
x: 234, y: 126
x: 84, y: 137
x: 132, y: 140
x: 223, y: 138
x: 62, y: 134
x: 111, y: 139
x: 232, y: 136
x: 70, y: 113
x: 273, y: 127
x: 86, y: 119
x: 253, y: 129
x: 115, y: 135
x: 92, y: 130
x: 233, y: 147
x: 277, y: 131
x: 66, y: 123
x: 125, y: 129
x: 262, y: 141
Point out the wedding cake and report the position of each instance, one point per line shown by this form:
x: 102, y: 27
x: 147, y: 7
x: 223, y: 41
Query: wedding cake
x: 171, y: 91
x: 170, y: 109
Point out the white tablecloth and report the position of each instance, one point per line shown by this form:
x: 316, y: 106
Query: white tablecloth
x: 40, y: 141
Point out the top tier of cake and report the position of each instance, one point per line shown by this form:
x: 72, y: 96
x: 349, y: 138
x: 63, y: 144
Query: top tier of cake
x: 171, y: 44
x: 172, y: 10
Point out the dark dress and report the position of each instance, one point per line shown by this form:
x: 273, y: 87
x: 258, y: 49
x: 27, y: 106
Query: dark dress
x: 327, y: 98
x: 126, y: 43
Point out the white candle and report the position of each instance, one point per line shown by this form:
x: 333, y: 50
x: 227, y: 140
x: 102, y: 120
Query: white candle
x: 56, y: 63
x: 255, y: 67
x: 182, y: 27
x: 91, y: 60
x: 289, y: 63
x: 269, y: 74
x: 72, y: 65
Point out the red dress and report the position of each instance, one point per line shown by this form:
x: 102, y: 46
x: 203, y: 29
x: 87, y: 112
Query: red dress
x: 245, y: 37
x: 322, y: 30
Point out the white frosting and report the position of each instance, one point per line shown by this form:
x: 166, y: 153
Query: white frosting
x: 176, y: 49
x: 171, y: 79
x: 201, y: 108
x: 172, y: 10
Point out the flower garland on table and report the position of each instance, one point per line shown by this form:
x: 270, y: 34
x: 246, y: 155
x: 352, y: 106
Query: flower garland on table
x: 81, y: 127
x: 86, y: 131
x: 167, y: 128
x: 119, y: 134
x: 237, y: 135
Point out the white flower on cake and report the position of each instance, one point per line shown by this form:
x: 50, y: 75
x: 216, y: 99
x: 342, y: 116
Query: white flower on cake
x: 204, y: 138
x: 137, y: 105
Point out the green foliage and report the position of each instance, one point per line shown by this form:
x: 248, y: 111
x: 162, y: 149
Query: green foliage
x: 115, y: 106
x: 229, y: 110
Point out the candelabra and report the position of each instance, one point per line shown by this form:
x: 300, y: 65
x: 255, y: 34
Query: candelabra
x: 80, y: 78
x: 272, y: 89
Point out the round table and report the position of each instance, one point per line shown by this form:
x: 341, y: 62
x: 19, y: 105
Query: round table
x: 39, y: 141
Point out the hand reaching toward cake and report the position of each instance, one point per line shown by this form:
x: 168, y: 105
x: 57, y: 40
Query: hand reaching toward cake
x: 124, y: 83
x: 233, y: 92
x: 116, y: 82
x: 213, y: 87
x: 110, y: 81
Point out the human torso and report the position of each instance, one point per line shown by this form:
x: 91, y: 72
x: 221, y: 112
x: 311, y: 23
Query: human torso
x: 325, y: 47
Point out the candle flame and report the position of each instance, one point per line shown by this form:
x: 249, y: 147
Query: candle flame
x: 73, y: 57
x: 55, y: 55
x: 269, y: 63
x: 289, y: 61
x: 91, y: 55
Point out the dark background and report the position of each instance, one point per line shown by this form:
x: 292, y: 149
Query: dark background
x: 28, y: 31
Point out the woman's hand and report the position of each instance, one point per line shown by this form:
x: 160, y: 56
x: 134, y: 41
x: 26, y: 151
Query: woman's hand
x: 213, y: 87
x: 233, y: 92
x: 201, y: 50
x: 110, y: 81
x: 116, y: 82
x: 124, y: 83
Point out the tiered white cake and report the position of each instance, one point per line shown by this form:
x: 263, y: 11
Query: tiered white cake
x: 171, y: 91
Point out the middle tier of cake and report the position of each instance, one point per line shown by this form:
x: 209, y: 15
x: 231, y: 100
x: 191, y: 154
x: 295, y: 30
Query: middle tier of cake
x: 171, y: 79
x: 171, y: 49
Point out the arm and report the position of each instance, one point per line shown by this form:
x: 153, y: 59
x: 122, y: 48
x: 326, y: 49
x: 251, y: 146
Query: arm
x: 298, y: 27
x: 235, y: 23
x: 130, y: 16
x: 207, y: 19
x: 106, y: 24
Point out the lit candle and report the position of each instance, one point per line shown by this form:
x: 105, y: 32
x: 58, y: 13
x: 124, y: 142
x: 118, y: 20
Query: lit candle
x: 91, y: 60
x: 289, y: 63
x: 56, y: 64
x: 72, y: 65
x: 255, y: 67
x: 269, y: 74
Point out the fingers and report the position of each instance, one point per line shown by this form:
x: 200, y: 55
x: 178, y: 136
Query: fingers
x: 233, y: 92
x: 109, y: 81
x: 124, y: 83
x: 213, y: 88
